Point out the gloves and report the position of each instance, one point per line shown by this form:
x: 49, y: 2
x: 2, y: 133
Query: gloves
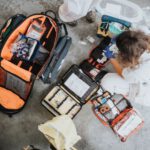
x: 111, y: 50
x: 109, y: 54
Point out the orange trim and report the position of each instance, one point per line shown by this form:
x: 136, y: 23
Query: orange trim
x: 30, y: 68
x: 9, y: 100
x: 43, y: 19
x: 56, y: 39
x: 19, y: 64
x: 120, y: 116
x: 49, y: 32
x: 124, y: 138
x: 23, y: 74
x: 101, y: 120
x: 99, y: 66
x: 44, y: 43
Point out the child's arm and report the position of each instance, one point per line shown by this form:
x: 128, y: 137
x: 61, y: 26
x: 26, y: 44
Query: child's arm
x: 116, y: 66
x: 109, y: 54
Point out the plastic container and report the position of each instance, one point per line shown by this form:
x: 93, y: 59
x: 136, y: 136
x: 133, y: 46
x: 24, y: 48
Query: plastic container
x: 146, y: 11
x: 125, y: 10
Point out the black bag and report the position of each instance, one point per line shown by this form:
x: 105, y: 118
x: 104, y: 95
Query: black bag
x: 89, y: 69
x: 96, y: 62
x: 68, y: 95
x: 61, y: 50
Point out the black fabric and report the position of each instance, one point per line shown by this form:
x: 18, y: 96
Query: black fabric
x: 15, y: 60
x: 48, y: 28
x: 51, y: 40
x: 86, y: 66
x: 98, y: 50
x: 35, y: 68
x: 100, y: 75
x: 26, y: 65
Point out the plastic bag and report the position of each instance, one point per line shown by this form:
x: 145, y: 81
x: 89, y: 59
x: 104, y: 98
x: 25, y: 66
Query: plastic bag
x: 125, y: 10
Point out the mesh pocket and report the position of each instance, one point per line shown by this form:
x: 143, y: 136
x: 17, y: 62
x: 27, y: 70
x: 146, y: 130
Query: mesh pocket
x: 18, y: 86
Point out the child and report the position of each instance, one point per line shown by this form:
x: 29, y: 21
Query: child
x: 132, y: 66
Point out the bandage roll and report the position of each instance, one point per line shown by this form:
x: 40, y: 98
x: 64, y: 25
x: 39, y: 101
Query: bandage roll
x: 103, y: 109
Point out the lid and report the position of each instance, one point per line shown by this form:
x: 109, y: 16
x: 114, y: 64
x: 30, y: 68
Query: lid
x: 79, y: 84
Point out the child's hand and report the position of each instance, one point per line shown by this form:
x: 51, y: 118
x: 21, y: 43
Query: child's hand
x: 109, y: 54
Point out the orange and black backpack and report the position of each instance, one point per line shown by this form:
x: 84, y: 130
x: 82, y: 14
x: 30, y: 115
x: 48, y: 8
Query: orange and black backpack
x: 27, y: 45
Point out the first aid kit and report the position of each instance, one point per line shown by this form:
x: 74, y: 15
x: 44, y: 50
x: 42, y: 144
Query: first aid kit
x: 71, y: 93
x: 117, y: 112
x: 93, y: 66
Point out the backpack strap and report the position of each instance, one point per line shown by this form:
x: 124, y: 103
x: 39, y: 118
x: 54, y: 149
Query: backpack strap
x: 50, y: 13
x: 64, y: 28
x: 53, y: 15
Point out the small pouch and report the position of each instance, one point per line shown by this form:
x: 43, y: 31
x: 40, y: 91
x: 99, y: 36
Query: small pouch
x: 122, y: 105
x: 25, y: 47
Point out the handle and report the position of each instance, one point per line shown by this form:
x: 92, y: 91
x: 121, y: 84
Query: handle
x: 64, y: 27
x: 113, y: 19
x: 48, y: 12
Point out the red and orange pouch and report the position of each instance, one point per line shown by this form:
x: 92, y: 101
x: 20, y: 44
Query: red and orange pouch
x: 116, y: 112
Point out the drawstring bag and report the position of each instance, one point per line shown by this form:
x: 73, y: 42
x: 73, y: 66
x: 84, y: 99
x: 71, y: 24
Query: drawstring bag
x: 60, y: 132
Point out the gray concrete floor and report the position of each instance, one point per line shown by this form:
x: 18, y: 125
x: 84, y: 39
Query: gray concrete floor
x: 21, y: 129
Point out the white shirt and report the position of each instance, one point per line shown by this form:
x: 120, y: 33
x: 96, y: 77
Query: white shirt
x: 139, y: 80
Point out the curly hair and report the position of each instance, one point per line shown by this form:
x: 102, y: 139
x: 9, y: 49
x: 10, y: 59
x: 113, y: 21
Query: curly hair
x: 131, y: 45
